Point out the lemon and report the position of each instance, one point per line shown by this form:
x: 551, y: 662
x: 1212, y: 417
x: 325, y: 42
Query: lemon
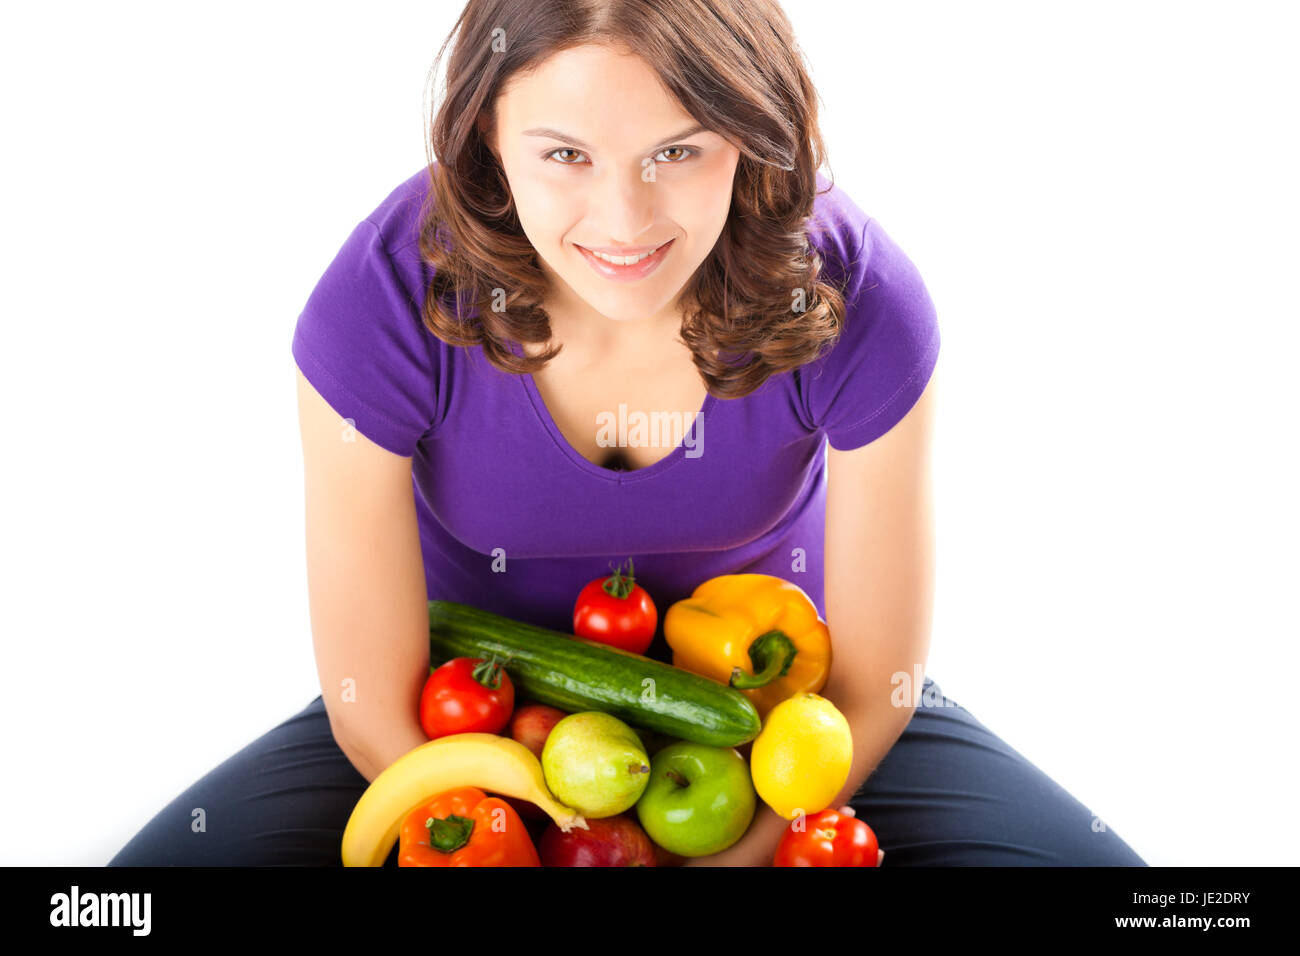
x: 802, y: 757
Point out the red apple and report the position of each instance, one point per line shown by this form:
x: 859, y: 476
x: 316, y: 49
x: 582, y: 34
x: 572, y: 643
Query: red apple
x: 607, y: 841
x: 532, y: 723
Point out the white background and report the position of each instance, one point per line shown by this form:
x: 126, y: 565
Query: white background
x: 1101, y: 197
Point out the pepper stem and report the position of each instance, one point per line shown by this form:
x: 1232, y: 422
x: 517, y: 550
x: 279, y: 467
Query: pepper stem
x: 449, y: 834
x: 772, y: 654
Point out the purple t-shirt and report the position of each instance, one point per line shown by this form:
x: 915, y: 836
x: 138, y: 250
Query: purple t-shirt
x: 514, y: 520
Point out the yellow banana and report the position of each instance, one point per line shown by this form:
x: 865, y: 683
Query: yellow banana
x: 488, y: 761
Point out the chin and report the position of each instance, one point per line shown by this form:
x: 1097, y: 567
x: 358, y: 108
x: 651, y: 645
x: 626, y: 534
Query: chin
x: 626, y: 308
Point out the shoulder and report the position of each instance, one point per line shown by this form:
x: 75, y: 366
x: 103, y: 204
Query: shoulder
x: 875, y: 370
x: 398, y: 216
x: 397, y: 220
x: 361, y: 339
x: 836, y: 230
x: 881, y: 284
x: 856, y: 248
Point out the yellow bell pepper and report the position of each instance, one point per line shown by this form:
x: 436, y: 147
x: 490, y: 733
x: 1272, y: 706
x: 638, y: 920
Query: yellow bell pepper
x: 758, y: 633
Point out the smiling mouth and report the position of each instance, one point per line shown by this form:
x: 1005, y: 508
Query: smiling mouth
x: 624, y: 260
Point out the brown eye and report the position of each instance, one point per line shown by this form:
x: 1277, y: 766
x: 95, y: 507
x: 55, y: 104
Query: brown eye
x: 676, y: 149
x: 566, y: 149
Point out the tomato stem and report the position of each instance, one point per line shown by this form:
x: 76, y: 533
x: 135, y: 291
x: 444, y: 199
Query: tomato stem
x: 488, y: 672
x: 618, y: 584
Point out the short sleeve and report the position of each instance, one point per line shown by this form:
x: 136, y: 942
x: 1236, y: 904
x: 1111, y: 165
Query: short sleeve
x: 361, y: 342
x: 877, y: 369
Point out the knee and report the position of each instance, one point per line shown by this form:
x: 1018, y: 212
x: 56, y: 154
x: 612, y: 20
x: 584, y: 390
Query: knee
x: 1071, y: 841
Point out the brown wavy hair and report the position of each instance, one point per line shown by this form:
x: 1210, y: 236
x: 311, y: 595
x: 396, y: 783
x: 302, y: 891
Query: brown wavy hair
x: 735, y: 67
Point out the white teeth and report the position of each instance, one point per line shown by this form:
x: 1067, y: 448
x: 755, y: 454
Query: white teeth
x: 621, y: 260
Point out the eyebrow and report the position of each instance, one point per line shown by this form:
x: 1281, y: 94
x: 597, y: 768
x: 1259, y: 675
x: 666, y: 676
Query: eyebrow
x: 557, y: 134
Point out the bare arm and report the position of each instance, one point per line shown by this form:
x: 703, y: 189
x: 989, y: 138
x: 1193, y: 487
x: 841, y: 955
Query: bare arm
x: 879, y: 596
x: 880, y: 583
x: 365, y: 577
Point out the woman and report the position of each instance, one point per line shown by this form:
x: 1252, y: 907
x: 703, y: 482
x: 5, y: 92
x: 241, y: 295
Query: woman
x: 625, y: 222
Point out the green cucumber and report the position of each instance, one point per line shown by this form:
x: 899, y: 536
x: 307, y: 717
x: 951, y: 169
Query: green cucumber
x: 575, y: 674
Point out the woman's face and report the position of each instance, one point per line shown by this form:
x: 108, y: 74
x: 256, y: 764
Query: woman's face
x: 600, y: 157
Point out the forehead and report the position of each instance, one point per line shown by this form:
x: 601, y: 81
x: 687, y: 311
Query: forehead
x: 603, y: 90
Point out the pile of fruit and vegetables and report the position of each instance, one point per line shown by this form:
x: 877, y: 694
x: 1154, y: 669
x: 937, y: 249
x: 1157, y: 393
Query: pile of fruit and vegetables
x: 555, y: 749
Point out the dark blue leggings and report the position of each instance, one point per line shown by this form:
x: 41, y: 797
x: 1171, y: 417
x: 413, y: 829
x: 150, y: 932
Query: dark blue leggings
x: 949, y: 793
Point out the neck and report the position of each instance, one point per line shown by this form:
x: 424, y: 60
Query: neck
x: 579, y: 327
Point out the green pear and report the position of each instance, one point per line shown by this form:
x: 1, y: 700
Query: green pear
x: 595, y: 763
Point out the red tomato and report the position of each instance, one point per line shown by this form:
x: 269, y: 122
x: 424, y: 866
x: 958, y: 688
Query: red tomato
x: 616, y: 611
x: 467, y: 695
x: 828, y: 838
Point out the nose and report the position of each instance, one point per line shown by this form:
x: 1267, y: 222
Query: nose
x: 625, y: 203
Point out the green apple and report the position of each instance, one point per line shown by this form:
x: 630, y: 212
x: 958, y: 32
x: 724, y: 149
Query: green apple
x: 595, y: 763
x: 700, y: 799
